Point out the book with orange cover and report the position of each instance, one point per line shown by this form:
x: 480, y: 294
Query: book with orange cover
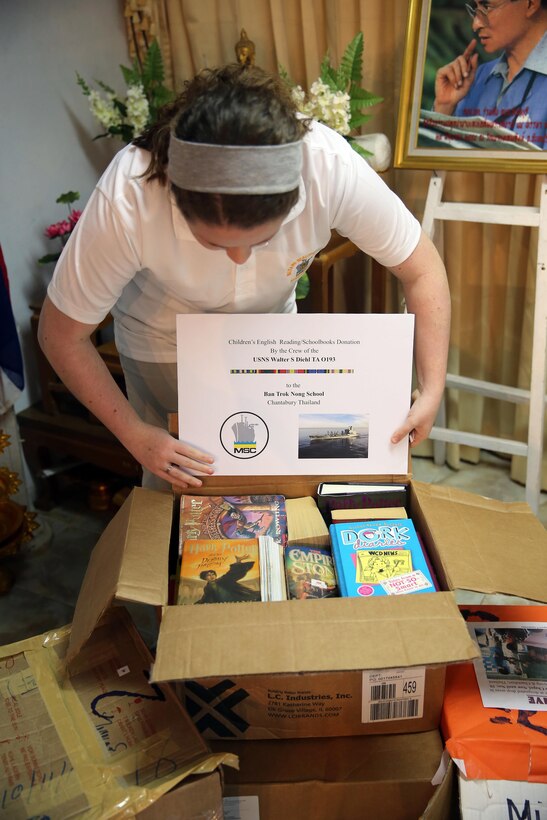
x: 500, y: 742
x: 219, y: 570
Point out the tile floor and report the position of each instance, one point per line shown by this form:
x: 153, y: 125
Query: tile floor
x: 49, y: 568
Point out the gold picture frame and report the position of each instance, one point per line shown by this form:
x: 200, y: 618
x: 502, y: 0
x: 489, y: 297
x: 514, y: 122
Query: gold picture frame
x: 426, y: 139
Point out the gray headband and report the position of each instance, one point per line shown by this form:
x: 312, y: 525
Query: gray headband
x: 234, y: 169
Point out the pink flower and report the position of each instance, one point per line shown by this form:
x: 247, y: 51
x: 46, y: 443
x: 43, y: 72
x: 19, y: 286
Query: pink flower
x: 58, y: 229
x: 74, y: 216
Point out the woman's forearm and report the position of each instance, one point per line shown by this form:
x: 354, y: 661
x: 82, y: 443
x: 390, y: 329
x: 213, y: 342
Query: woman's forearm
x: 68, y: 347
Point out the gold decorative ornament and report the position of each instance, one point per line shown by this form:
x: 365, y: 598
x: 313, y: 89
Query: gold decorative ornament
x: 4, y: 441
x: 9, y: 481
x: 16, y: 523
x: 31, y: 524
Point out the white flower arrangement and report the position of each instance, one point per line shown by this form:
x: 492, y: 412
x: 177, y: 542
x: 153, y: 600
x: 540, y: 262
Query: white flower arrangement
x: 336, y: 97
x: 324, y: 104
x: 128, y: 117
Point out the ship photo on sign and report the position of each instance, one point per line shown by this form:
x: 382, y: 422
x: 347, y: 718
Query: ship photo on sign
x: 333, y: 435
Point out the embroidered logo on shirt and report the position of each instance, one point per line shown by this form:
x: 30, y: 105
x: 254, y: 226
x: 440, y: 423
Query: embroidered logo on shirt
x: 300, y: 266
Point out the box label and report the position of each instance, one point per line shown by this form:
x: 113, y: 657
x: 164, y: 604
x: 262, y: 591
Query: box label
x: 512, y: 670
x: 502, y: 800
x: 241, y: 808
x: 393, y: 694
x: 404, y: 584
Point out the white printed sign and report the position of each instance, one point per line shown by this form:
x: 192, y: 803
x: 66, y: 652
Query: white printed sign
x: 303, y: 394
x: 512, y: 670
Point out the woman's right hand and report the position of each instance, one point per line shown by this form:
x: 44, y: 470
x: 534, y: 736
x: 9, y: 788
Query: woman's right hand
x: 167, y: 457
x: 454, y: 80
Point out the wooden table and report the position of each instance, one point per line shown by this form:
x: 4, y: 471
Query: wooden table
x: 45, y: 437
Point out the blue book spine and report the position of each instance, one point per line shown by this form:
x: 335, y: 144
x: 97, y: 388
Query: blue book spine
x: 386, y: 537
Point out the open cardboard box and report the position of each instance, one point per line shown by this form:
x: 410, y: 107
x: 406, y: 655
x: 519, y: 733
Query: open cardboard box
x: 103, y: 742
x: 347, y: 777
x: 246, y: 662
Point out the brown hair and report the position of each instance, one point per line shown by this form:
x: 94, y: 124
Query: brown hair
x: 231, y: 105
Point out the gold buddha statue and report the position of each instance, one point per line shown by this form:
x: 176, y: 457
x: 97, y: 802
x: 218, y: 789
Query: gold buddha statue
x: 245, y: 49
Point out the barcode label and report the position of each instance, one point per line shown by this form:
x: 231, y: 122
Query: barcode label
x: 393, y: 694
x: 394, y: 710
x: 386, y: 691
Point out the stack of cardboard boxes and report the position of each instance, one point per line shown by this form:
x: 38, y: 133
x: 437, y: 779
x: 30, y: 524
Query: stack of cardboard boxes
x: 286, y: 687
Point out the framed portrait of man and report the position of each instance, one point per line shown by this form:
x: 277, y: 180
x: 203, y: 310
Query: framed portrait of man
x: 474, y: 86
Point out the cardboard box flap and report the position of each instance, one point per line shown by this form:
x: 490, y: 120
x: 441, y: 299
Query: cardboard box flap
x: 486, y: 545
x: 292, y: 486
x: 386, y: 758
x: 129, y: 562
x: 103, y: 744
x: 313, y: 636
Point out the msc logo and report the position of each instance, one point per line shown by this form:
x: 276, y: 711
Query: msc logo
x: 244, y: 435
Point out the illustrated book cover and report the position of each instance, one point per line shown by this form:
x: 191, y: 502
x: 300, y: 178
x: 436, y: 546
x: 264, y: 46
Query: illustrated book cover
x: 219, y: 570
x: 383, y: 557
x: 242, y: 516
x: 280, y: 397
x: 347, y: 496
x: 310, y: 572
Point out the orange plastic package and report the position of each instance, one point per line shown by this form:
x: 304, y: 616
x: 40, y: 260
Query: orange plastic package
x: 494, y: 742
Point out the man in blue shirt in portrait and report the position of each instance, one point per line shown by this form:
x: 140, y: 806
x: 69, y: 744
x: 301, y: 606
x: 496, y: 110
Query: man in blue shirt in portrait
x: 512, y: 90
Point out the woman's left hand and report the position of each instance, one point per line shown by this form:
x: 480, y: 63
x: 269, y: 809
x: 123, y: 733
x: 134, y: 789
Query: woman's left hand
x: 420, y: 419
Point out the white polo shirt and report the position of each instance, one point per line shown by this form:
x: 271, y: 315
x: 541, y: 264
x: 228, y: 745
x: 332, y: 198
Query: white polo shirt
x: 133, y: 254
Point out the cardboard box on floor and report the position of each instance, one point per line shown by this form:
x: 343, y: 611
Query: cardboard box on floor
x: 350, y: 777
x: 104, y: 742
x: 500, y: 752
x: 249, y: 659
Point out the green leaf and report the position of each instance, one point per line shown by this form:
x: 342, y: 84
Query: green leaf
x: 68, y: 198
x: 152, y: 70
x: 162, y: 96
x: 363, y: 97
x: 357, y: 120
x: 302, y: 286
x: 132, y: 76
x: 329, y: 75
x: 360, y: 150
x: 351, y: 64
x: 49, y: 257
x: 284, y: 74
x: 83, y: 85
x: 105, y: 87
x: 120, y: 106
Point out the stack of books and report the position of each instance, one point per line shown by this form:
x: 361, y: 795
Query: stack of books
x: 231, y: 549
x: 268, y: 548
